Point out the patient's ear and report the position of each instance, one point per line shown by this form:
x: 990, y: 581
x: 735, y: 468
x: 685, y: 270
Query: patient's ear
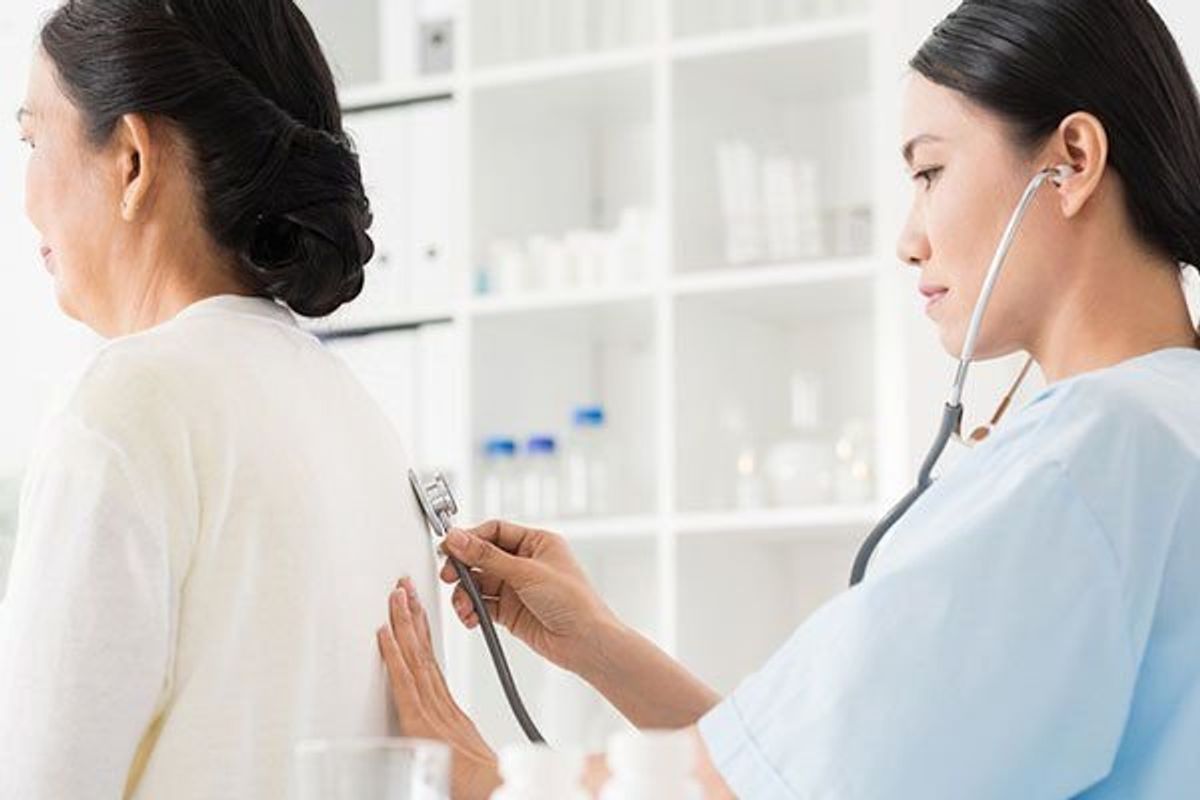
x: 136, y: 148
x: 1082, y: 142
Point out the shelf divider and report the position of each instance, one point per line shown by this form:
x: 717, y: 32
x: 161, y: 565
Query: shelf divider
x: 753, y: 39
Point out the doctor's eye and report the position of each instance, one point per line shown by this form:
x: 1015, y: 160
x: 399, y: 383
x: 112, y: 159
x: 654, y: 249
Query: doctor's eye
x: 927, y: 175
x: 27, y: 140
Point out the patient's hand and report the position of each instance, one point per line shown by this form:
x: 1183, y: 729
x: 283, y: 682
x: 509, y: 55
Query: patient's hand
x: 423, y: 701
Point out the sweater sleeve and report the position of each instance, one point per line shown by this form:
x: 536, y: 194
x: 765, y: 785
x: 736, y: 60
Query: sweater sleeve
x: 86, y: 633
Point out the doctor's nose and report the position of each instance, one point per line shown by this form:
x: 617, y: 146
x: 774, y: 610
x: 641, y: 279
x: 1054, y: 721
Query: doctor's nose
x: 913, y: 246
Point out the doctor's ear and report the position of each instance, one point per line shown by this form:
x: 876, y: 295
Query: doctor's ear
x: 136, y: 144
x: 1081, y: 142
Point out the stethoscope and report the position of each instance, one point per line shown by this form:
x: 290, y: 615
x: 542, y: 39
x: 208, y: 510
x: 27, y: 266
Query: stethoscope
x: 439, y: 506
x: 951, y: 425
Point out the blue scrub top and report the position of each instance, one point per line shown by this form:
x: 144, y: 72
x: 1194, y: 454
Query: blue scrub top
x: 1031, y: 629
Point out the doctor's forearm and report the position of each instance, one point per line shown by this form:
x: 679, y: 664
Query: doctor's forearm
x: 646, y: 685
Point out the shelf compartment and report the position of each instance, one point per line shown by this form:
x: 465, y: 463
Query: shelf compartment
x: 562, y: 185
x: 774, y: 398
x: 771, y: 155
x: 532, y: 370
x: 524, y: 32
x: 734, y: 19
x: 591, y: 65
x: 371, y: 43
x: 752, y: 39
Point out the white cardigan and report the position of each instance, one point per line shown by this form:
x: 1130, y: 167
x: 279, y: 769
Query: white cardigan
x: 207, y: 541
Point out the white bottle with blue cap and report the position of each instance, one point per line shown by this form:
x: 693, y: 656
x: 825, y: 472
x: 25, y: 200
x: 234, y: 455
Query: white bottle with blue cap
x: 587, y: 473
x: 541, y: 478
x: 501, y: 490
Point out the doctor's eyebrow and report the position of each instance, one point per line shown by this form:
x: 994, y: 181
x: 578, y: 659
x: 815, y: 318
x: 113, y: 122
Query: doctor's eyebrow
x: 911, y: 145
x: 22, y: 113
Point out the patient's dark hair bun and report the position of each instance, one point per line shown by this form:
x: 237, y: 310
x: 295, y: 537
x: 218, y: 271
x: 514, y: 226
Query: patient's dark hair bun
x: 248, y: 88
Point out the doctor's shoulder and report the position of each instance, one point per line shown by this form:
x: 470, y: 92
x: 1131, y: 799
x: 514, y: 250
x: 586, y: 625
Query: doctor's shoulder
x: 1140, y: 414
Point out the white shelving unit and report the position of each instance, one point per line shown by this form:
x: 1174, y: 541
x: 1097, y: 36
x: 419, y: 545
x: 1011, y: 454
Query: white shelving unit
x: 696, y: 352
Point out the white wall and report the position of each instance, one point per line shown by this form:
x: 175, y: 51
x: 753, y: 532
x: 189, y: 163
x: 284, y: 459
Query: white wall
x: 1183, y: 18
x: 37, y: 344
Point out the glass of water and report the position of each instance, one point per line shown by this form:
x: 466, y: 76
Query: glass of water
x: 371, y: 769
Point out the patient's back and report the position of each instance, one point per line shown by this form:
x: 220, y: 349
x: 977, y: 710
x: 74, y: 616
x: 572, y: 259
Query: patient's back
x: 277, y: 516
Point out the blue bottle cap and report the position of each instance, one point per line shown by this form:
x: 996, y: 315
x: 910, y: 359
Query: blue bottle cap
x: 589, y: 416
x: 499, y: 447
x: 541, y: 445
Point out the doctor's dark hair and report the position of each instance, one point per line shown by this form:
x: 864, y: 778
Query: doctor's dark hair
x: 1036, y: 62
x: 247, y: 88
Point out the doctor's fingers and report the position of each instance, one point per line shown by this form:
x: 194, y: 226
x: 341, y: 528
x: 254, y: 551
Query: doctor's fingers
x: 508, y: 536
x: 489, y: 583
x: 465, y: 610
x: 493, y: 561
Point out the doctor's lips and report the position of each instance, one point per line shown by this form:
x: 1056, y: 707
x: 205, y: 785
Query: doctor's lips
x: 46, y: 254
x: 933, y: 295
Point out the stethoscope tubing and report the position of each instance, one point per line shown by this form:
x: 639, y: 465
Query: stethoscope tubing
x: 953, y: 410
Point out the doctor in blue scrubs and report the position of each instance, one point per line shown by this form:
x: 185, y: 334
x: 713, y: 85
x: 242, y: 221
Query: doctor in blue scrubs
x: 1031, y: 627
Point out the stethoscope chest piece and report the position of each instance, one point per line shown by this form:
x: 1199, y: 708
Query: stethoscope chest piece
x: 437, y: 501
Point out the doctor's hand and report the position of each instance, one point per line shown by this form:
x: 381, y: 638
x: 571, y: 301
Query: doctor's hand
x: 540, y: 593
x: 423, y: 702
x: 534, y: 587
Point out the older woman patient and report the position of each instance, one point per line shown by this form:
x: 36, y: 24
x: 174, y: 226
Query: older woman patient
x: 218, y: 504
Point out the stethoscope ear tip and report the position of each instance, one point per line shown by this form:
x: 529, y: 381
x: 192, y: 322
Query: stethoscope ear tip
x: 1061, y: 173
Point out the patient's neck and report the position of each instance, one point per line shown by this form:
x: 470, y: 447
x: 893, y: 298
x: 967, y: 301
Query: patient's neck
x: 171, y: 270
